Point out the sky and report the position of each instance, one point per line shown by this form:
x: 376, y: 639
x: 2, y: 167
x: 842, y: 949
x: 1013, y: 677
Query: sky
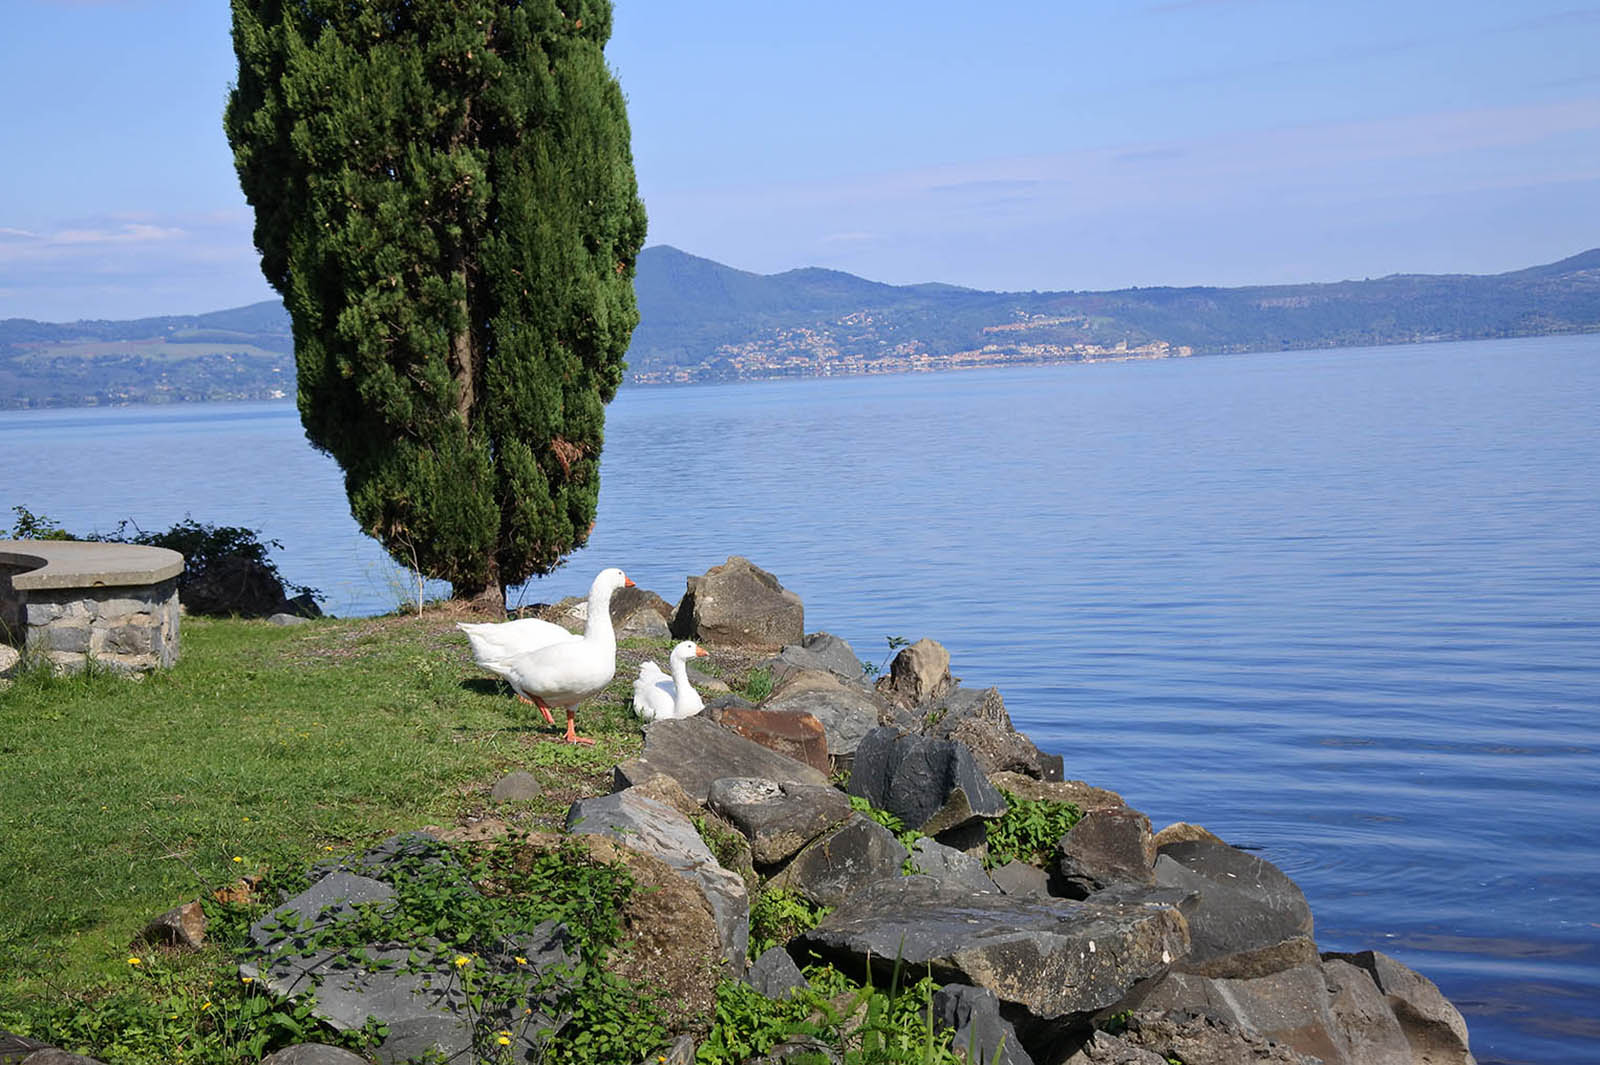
x: 1036, y: 144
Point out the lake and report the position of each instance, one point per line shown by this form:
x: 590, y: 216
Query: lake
x: 1342, y: 606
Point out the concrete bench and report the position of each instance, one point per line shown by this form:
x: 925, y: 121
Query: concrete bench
x: 72, y: 601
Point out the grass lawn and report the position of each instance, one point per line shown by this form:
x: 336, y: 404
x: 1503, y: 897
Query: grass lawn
x: 263, y: 750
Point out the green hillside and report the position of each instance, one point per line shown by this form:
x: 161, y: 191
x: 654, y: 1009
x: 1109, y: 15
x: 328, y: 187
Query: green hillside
x: 701, y: 320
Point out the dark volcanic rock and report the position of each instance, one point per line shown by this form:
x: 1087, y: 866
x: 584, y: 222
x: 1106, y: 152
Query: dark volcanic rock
x: 843, y: 862
x: 792, y: 733
x: 972, y: 1016
x: 1020, y: 878
x: 931, y: 785
x: 847, y: 711
x: 1107, y: 847
x: 775, y: 974
x: 1433, y: 1027
x: 1252, y: 920
x: 821, y: 651
x: 978, y: 718
x: 777, y: 819
x: 737, y: 604
x: 696, y: 752
x: 1057, y: 960
x: 932, y: 858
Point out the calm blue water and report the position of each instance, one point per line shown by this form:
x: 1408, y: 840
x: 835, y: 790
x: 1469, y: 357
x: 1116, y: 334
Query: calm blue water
x: 1343, y: 606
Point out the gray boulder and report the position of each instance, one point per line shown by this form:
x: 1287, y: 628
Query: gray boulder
x: 1291, y: 1006
x: 775, y: 974
x: 1104, y: 848
x: 818, y: 651
x: 931, y: 785
x: 919, y: 674
x: 313, y: 1054
x: 1431, y: 1025
x: 843, y: 862
x: 778, y: 819
x: 1251, y: 920
x: 948, y: 865
x: 847, y: 711
x: 972, y: 1017
x: 1020, y: 878
x: 654, y: 828
x: 1084, y: 796
x: 696, y: 752
x: 737, y: 604
x: 977, y: 717
x: 1364, y: 1016
x: 517, y: 786
x: 1154, y: 1038
x: 636, y: 612
x: 1053, y: 961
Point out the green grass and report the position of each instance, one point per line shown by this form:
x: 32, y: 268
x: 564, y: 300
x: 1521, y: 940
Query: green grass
x: 263, y: 749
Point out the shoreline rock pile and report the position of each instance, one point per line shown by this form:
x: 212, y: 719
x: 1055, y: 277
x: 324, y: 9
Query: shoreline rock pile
x: 1121, y: 946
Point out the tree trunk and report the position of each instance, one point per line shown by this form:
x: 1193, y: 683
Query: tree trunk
x: 489, y: 598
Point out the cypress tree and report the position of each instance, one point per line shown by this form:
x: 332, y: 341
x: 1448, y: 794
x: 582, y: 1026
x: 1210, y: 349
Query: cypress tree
x: 444, y: 196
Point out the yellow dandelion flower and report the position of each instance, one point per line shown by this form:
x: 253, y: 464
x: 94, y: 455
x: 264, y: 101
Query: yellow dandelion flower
x: 521, y: 960
x: 237, y: 858
x: 503, y: 1041
x: 205, y: 1005
x: 462, y: 961
x: 135, y: 961
x: 246, y: 979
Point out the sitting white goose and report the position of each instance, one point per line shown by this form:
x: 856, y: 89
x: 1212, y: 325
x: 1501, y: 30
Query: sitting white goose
x: 566, y: 672
x: 657, y: 697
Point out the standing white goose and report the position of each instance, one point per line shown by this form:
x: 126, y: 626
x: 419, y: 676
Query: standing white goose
x: 657, y: 697
x: 567, y: 672
x: 495, y: 641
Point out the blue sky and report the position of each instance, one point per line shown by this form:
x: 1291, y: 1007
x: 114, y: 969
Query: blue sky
x: 1029, y: 145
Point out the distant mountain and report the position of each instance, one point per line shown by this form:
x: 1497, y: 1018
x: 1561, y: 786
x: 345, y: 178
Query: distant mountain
x: 700, y: 320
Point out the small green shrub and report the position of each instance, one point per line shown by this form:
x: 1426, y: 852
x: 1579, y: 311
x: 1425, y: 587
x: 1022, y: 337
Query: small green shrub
x: 31, y: 526
x: 777, y: 915
x: 1029, y: 831
x: 907, y: 836
x: 758, y: 685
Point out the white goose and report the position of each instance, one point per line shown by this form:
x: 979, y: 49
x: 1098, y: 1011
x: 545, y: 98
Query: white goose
x: 566, y: 672
x: 495, y: 641
x: 657, y: 697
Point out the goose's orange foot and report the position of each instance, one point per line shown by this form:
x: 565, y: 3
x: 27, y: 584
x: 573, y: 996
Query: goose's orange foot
x: 572, y: 732
x: 545, y: 710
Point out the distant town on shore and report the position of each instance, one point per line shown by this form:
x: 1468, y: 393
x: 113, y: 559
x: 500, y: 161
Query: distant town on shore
x: 701, y: 321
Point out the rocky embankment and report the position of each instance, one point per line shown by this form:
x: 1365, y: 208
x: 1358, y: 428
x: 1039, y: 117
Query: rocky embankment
x: 1116, y: 945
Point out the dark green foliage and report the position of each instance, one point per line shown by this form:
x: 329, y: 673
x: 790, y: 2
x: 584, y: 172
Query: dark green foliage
x: 202, y: 546
x: 1029, y: 831
x: 31, y: 526
x: 777, y: 915
x: 444, y: 196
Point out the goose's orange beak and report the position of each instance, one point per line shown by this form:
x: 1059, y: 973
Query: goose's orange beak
x: 627, y: 582
x: 701, y: 652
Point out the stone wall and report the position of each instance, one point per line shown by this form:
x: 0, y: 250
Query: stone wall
x: 130, y: 629
x: 13, y: 616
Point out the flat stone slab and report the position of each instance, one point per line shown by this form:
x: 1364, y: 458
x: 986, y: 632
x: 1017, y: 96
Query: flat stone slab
x: 695, y: 752
x: 76, y: 564
x: 1055, y: 958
